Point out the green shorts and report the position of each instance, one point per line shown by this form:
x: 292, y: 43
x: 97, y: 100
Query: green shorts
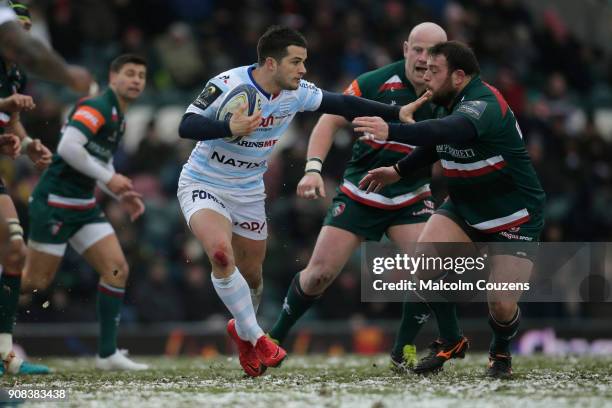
x: 521, y: 241
x: 55, y: 225
x: 371, y: 223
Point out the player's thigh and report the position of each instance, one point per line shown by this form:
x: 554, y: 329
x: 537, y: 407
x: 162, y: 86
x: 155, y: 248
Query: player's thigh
x: 507, y: 269
x: 108, y: 260
x: 333, y: 249
x: 40, y: 268
x: 208, y: 216
x: 405, y: 236
x: 249, y: 255
x: 440, y: 228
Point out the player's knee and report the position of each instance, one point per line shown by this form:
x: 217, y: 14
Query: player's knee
x: 318, y: 276
x: 117, y: 273
x: 38, y: 283
x: 502, y: 311
x: 221, y: 256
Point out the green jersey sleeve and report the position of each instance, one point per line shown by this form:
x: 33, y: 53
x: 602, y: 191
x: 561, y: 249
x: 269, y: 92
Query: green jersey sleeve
x: 88, y: 117
x: 482, y: 113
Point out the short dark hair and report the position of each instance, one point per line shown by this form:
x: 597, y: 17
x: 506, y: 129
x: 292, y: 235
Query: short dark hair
x: 458, y: 56
x: 123, y: 59
x: 274, y: 42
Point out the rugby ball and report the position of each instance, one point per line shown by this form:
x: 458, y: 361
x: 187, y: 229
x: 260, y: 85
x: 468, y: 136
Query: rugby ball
x: 243, y: 94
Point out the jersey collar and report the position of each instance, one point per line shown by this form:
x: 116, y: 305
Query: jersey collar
x: 256, y: 85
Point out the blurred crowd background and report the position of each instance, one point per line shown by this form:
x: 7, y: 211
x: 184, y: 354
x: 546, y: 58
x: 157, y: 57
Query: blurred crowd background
x: 556, y: 79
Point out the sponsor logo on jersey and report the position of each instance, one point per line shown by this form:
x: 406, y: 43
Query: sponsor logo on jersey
x: 210, y: 94
x: 457, y: 153
x: 474, y: 109
x: 260, y: 144
x: 508, y: 234
x: 114, y: 115
x: 222, y: 158
x: 90, y: 117
x: 98, y: 150
x: 338, y: 209
x: 254, y: 226
x: 205, y: 195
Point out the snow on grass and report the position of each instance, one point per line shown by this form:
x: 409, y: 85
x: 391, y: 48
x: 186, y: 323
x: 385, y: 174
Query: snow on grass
x: 313, y: 381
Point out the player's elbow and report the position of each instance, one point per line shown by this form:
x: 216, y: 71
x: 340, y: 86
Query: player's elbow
x: 186, y: 126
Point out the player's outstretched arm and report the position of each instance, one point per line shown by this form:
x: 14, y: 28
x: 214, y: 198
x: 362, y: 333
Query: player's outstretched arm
x: 451, y: 129
x: 19, y: 46
x: 351, y: 107
x: 311, y: 186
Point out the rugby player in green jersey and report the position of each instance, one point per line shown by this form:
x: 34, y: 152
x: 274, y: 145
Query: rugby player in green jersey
x: 399, y: 211
x: 63, y: 208
x: 494, y: 192
x: 13, y: 141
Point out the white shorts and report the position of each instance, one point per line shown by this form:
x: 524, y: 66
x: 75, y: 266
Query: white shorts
x: 81, y: 241
x: 248, y: 217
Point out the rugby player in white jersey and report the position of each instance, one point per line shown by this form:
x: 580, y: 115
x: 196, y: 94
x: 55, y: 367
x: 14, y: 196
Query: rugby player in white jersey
x: 221, y: 189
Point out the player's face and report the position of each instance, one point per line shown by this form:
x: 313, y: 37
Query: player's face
x: 439, y: 80
x: 130, y: 81
x: 291, y: 68
x: 415, y: 54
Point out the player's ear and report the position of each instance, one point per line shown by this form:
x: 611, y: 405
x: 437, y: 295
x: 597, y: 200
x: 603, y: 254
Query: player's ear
x: 406, y: 49
x: 458, y: 76
x: 271, y: 63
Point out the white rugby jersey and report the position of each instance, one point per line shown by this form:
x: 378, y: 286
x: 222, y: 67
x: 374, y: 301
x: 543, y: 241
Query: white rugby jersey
x: 6, y: 13
x: 239, y: 166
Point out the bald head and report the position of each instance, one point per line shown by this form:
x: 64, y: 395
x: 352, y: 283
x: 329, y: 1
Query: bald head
x: 427, y: 32
x: 421, y: 37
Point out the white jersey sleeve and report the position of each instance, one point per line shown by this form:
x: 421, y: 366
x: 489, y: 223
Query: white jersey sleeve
x: 208, y: 101
x: 7, y: 14
x: 309, y: 95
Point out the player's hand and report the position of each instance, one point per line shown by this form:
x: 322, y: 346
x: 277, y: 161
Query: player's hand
x: 39, y: 154
x: 17, y: 103
x: 376, y: 179
x: 80, y: 79
x: 119, y: 184
x: 10, y: 145
x: 373, y: 127
x: 407, y: 111
x: 131, y: 201
x: 241, y: 124
x: 311, y: 186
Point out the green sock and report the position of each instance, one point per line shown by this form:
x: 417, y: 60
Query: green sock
x: 108, y: 308
x: 503, y: 332
x: 9, y: 297
x: 448, y: 323
x: 415, y: 314
x: 295, y: 305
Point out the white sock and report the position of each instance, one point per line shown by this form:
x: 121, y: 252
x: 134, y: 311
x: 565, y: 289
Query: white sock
x: 6, y: 344
x: 256, y: 296
x: 236, y: 295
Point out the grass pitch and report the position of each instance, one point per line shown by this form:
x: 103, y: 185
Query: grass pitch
x: 321, y: 381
